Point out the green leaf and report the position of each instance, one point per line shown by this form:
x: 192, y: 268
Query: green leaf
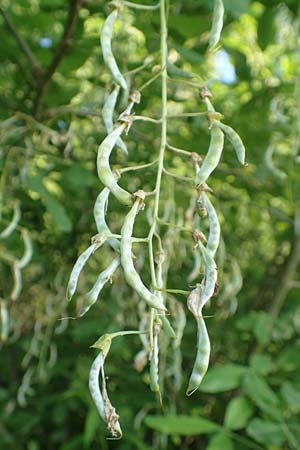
x: 238, y: 413
x: 236, y: 7
x: 261, y: 363
x: 291, y: 395
x: 183, y: 425
x: 220, y: 441
x: 91, y: 426
x: 262, y: 395
x: 265, y: 432
x: 266, y: 29
x: 288, y: 359
x: 223, y: 378
x: 189, y: 26
x: 58, y: 214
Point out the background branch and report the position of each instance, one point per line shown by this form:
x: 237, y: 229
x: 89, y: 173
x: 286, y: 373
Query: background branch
x: 37, y: 70
x: 74, y: 7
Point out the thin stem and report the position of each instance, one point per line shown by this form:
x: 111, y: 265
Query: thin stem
x: 163, y: 141
x: 150, y: 81
x: 133, y: 239
x: 139, y: 167
x: 149, y: 60
x: 178, y: 177
x: 139, y: 6
x: 180, y: 151
x: 189, y: 83
x: 173, y: 225
x: 146, y: 119
x: 173, y: 291
x: 189, y: 114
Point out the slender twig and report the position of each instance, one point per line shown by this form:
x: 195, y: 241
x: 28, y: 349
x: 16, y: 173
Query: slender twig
x: 63, y: 110
x: 189, y: 114
x: 139, y: 167
x: 146, y: 119
x: 178, y: 177
x: 139, y: 6
x: 150, y: 81
x: 74, y: 7
x: 180, y: 151
x: 163, y: 139
x: 22, y: 43
x: 149, y: 60
x: 283, y: 285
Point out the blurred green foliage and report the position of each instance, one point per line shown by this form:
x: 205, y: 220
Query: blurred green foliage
x: 51, y: 127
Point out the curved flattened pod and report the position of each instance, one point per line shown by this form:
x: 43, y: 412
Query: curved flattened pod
x: 131, y: 275
x: 212, y: 157
x: 99, y: 401
x: 105, y: 40
x: 99, y: 215
x: 202, y: 357
x: 211, y: 276
x: 78, y: 266
x: 217, y: 23
x: 92, y: 296
x: 214, y: 227
x: 107, y: 115
x: 104, y: 171
x: 235, y: 140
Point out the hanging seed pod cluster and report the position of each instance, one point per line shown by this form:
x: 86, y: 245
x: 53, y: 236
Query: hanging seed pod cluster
x: 162, y: 316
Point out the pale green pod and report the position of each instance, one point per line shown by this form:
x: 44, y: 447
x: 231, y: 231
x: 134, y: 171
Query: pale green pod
x: 167, y: 327
x: 271, y: 166
x: 154, y: 374
x: 202, y: 357
x: 131, y: 275
x: 26, y: 258
x: 16, y: 291
x: 78, y: 266
x: 105, y: 40
x: 107, y: 115
x: 235, y: 141
x: 212, y: 157
x: 201, y: 210
x: 95, y: 391
x: 92, y: 296
x: 99, y: 215
x: 13, y: 224
x: 213, y: 239
x: 217, y: 23
x: 4, y: 315
x: 211, y: 277
x: 104, y: 171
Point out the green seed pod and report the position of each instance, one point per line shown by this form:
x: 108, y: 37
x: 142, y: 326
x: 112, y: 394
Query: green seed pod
x: 212, y: 157
x: 107, y: 115
x: 202, y: 357
x: 105, y: 40
x: 217, y: 24
x: 235, y: 140
x: 104, y: 171
x: 131, y: 275
x: 99, y: 215
x: 92, y: 296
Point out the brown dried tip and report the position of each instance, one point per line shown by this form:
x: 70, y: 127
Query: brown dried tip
x: 135, y: 97
x: 195, y: 158
x: 140, y: 194
x: 159, y: 257
x: 199, y: 236
x: 204, y: 92
x: 128, y: 120
x: 203, y: 187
